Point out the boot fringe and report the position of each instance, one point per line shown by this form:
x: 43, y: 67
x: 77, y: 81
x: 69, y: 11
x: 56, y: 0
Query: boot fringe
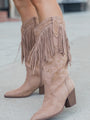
x: 69, y: 61
x: 27, y: 43
x: 45, y: 47
x: 63, y: 44
x: 28, y: 39
x: 69, y: 57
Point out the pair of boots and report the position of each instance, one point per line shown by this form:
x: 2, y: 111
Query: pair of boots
x: 46, y: 51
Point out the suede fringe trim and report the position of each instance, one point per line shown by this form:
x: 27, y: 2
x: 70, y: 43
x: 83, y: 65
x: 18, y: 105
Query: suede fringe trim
x: 63, y: 44
x: 27, y: 42
x: 69, y: 57
x: 45, y: 47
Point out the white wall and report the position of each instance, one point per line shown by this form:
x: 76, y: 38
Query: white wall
x: 12, y: 9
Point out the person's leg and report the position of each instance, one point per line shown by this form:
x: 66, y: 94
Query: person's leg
x: 29, y: 19
x: 25, y: 9
x: 47, y: 8
x: 52, y: 50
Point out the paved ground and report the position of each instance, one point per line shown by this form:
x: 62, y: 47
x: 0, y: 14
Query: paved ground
x: 9, y: 41
x: 12, y: 75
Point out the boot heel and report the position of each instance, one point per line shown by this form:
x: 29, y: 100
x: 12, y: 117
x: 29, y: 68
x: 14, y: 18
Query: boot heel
x: 71, y: 100
x: 41, y: 90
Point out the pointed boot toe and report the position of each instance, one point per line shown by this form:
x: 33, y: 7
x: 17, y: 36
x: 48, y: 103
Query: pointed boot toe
x: 6, y: 94
x: 9, y: 95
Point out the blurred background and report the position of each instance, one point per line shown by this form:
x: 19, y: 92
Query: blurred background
x: 12, y: 72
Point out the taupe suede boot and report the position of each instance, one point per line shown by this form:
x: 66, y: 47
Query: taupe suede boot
x: 33, y: 81
x: 52, y: 53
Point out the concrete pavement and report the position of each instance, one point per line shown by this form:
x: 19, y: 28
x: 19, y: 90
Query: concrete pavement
x: 9, y: 41
x: 13, y: 75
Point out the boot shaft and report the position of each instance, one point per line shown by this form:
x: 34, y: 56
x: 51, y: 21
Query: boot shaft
x: 51, y: 39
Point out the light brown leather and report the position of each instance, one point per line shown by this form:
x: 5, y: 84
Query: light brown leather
x: 57, y: 82
x: 32, y: 82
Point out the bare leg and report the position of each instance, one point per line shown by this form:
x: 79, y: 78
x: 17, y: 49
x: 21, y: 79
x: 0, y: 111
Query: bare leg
x: 25, y: 9
x: 47, y: 8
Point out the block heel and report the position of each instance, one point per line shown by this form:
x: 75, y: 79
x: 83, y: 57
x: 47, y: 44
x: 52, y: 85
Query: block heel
x: 41, y: 90
x: 71, y: 100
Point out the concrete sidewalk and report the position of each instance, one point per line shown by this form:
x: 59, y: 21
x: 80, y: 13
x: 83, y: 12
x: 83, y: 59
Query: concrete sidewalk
x: 13, y: 75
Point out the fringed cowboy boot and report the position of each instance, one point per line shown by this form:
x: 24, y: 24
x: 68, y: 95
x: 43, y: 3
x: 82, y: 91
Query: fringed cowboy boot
x: 52, y: 53
x: 32, y: 82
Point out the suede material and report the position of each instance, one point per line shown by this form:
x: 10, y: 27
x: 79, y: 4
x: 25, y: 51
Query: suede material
x: 55, y: 59
x: 32, y: 82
